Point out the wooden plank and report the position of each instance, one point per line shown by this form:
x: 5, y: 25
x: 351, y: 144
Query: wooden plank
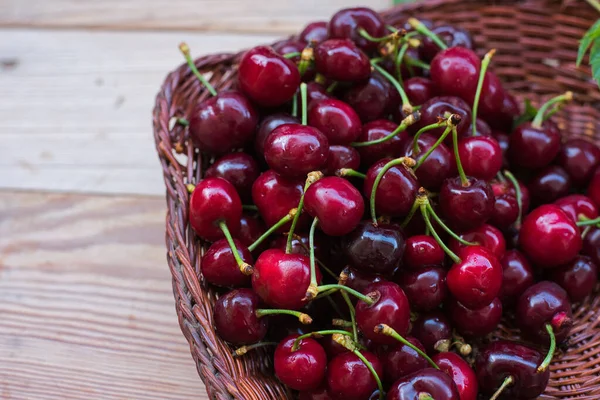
x: 194, y: 15
x: 75, y: 110
x: 86, y: 305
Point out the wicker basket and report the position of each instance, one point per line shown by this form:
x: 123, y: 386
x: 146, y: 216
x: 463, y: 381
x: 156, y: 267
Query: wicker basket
x: 537, y: 44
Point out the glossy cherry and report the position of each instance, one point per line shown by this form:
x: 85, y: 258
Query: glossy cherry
x: 396, y: 191
x: 577, y: 205
x: 433, y: 330
x: 482, y: 128
x: 267, y: 78
x: 455, y: 72
x: 336, y: 120
x: 341, y: 60
x: 285, y: 46
x: 349, y: 378
x: 400, y: 360
x: 481, y: 157
x: 550, y: 184
x: 492, y: 98
x: 503, y: 118
x: 466, y: 207
x: 549, y: 238
x: 348, y: 22
x: 517, y: 276
x: 376, y: 130
x: 419, y: 89
x: 240, y: 169
x: 506, y: 211
x: 591, y: 245
x: 314, y: 32
x: 476, y: 280
x: 485, y: 235
x: 475, y: 322
x: 315, y: 93
x: 461, y: 373
x: 422, y: 251
x: 360, y: 280
x: 579, y: 157
x: 213, y: 201
x: 341, y: 157
x: 438, y: 166
x: 220, y: 268
x: 390, y: 307
x: 267, y: 125
x: 301, y: 368
x: 594, y: 188
x: 251, y: 228
x: 579, y: 277
x: 275, y: 196
x: 452, y: 36
x: 235, y: 317
x: 429, y: 381
x: 317, y: 394
x: 441, y: 106
x: 370, y: 99
x: 533, y: 147
x: 425, y: 288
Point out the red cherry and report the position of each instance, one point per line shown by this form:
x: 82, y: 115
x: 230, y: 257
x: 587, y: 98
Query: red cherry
x: 591, y: 245
x: 220, y: 268
x: 438, y: 166
x: 469, y: 206
x: 267, y: 126
x: 349, y: 378
x: 336, y: 120
x: 492, y: 98
x: 503, y: 118
x: 341, y: 157
x: 578, y: 278
x: 481, y: 157
x: 576, y: 205
x: 315, y: 93
x: 359, y: 280
x: 283, y: 47
x: 482, y: 128
x: 461, y: 373
x: 301, y: 368
x: 549, y: 237
x: 425, y: 288
x: 370, y: 99
x: 579, y: 157
x: 419, y: 89
x: 455, y: 72
x: 477, y: 322
x: 341, y: 60
x: 550, y: 184
x: 517, y: 276
x: 317, y: 394
x: 533, y: 147
x: 240, y: 169
x: 452, y: 36
x: 376, y: 130
x: 428, y: 382
x: 433, y: 330
x: 348, y: 22
x: 251, y: 228
x: 401, y: 360
x: 506, y: 211
x: 439, y: 107
x: 486, y: 236
x: 476, y: 280
x: 594, y: 188
x: 421, y: 251
x: 214, y: 201
x: 235, y: 317
x: 396, y: 191
x: 267, y: 78
x: 314, y: 32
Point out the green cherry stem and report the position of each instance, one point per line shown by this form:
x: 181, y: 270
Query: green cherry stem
x: 245, y: 268
x: 546, y: 363
x: 182, y: 121
x: 313, y: 288
x: 517, y: 188
x: 185, y: 50
x: 303, y: 318
x: 406, y: 161
x: 357, y: 294
x: 411, y: 213
x: 295, y: 105
x: 389, y: 331
x: 424, y: 396
x: 422, y: 29
x: 432, y: 148
x: 405, y: 123
x: 507, y: 382
x: 318, y: 335
x: 484, y: 66
x: 311, y: 178
x: 398, y: 61
x: 539, y: 117
x: 407, y: 108
x: 292, y: 54
x: 362, y: 32
x: 461, y: 172
x: 352, y: 312
x: 249, y: 207
x: 240, y: 351
x: 587, y: 222
x: 416, y: 63
x: 450, y: 253
x: 424, y: 129
x: 304, y: 97
x: 289, y: 216
x: 445, y: 227
x: 350, y: 172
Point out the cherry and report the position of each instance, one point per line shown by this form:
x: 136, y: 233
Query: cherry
x: 591, y: 245
x: 267, y: 78
x: 251, y: 228
x: 455, y: 72
x: 374, y: 249
x: 578, y: 278
x: 300, y: 364
x: 517, y: 276
x: 317, y: 394
x: 481, y: 157
x: 219, y: 266
x: 525, y: 196
x: 425, y: 288
x: 315, y: 32
x: 370, y: 99
x: 348, y: 23
x: 475, y: 322
x: 434, y: 331
x: 579, y: 157
x: 466, y: 206
x: 359, y: 280
x: 341, y: 157
x: 482, y: 128
x: 419, y: 89
x: 549, y: 237
x: 401, y: 360
x: 594, y: 188
x: 300, y: 245
x: 492, y: 98
x: 504, y: 141
x: 428, y: 383
x: 503, y: 118
x: 541, y: 304
x: 316, y: 92
x: 275, y: 196
x: 390, y: 307
x: 485, y: 235
x: 341, y: 60
x: 506, y: 211
x: 511, y: 367
x: 452, y: 36
x: 236, y: 320
x: 336, y: 120
x: 441, y: 106
x: 376, y: 130
x: 437, y: 167
x: 422, y: 251
x: 550, y: 184
x: 349, y: 378
x: 461, y: 373
x: 577, y: 205
x: 475, y: 280
x: 533, y: 146
x: 267, y: 126
x: 240, y: 169
x: 396, y: 191
x: 286, y: 46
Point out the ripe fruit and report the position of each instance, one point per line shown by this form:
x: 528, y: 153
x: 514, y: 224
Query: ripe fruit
x: 301, y: 368
x: 349, y: 378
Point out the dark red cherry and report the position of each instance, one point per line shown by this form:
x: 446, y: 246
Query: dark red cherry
x: 492, y: 97
x: 579, y: 277
x: 452, y: 36
x: 341, y: 60
x: 525, y: 196
x: 591, y: 245
x: 267, y: 126
x: 541, y: 304
x: 579, y: 157
x: 315, y: 32
x: 219, y: 267
x: 475, y: 322
x: 466, y: 207
x: 438, y: 166
x: 281, y: 279
x: 316, y: 93
x: 275, y: 196
x: 504, y: 141
x: 360, y: 280
x: 336, y: 120
x: 374, y: 249
x: 506, y: 211
x: 370, y: 99
x: 341, y: 157
x: 422, y: 251
x: 235, y: 317
x: 240, y: 169
x: 444, y: 106
x: 300, y: 244
x: 428, y: 383
x: 550, y: 184
x: 455, y: 72
x: 396, y: 191
x: 434, y: 331
x: 419, y: 90
x: 502, y: 359
x: 461, y: 373
x: 485, y: 235
x: 477, y: 279
x: 301, y: 368
x: 251, y: 228
x: 425, y: 288
x: 213, y: 201
x: 577, y: 205
x: 267, y: 78
x: 532, y: 147
x: 376, y: 130
x: 285, y: 46
x: 348, y: 22
x: 482, y: 128
x: 504, y: 117
x: 594, y: 188
x: 481, y: 157
x: 317, y: 394
x: 549, y: 237
x: 517, y: 276
x: 400, y: 360
x: 223, y: 122
x: 349, y: 378
x: 294, y: 150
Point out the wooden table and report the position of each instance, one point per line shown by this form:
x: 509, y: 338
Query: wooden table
x: 86, y: 310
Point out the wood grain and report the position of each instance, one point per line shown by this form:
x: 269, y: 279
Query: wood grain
x: 86, y: 308
x: 195, y: 15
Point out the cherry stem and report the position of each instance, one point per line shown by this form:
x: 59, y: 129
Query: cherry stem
x: 416, y: 63
x: 311, y: 178
x: 546, y: 363
x: 292, y: 54
x: 398, y: 61
x: 389, y: 331
x: 517, y: 187
x: 295, y: 106
x: 249, y: 207
x: 357, y: 294
x: 424, y: 129
x: 445, y: 227
x: 585, y: 232
x: 303, y: 318
x: 244, y: 349
x: 423, y: 30
x: 539, y: 117
x: 461, y: 171
x: 352, y: 312
x: 182, y: 121
x: 313, y: 287
x: 405, y: 123
x: 185, y: 50
x: 587, y: 221
x: 272, y: 229
x: 304, y: 97
x: 407, y: 108
x: 411, y: 214
x: 362, y: 32
x: 245, y: 268
x: 484, y: 66
x: 406, y: 161
x: 424, y: 396
x: 432, y: 148
x: 318, y: 334
x: 342, y: 172
x: 450, y: 253
x: 509, y: 380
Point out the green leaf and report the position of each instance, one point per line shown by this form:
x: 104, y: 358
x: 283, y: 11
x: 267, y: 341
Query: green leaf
x: 595, y: 61
x: 588, y: 39
x: 528, y: 115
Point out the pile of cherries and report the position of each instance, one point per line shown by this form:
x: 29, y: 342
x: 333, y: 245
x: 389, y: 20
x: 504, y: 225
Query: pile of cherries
x: 376, y: 203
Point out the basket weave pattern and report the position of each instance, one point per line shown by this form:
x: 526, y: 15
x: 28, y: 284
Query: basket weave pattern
x: 537, y: 44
